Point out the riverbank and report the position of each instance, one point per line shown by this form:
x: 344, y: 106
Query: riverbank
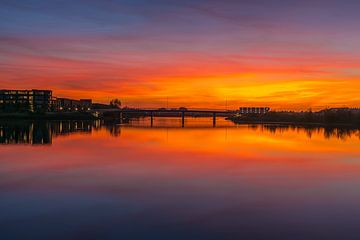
x: 325, y: 118
x: 297, y: 124
x: 49, y: 116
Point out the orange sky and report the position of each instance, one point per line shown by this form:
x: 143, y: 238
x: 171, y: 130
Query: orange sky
x: 195, y: 80
x: 187, y: 55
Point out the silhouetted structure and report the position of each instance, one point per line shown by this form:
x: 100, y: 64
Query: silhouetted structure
x: 349, y: 116
x: 39, y: 101
x: 124, y: 113
x: 253, y: 110
x: 25, y: 100
x: 66, y: 104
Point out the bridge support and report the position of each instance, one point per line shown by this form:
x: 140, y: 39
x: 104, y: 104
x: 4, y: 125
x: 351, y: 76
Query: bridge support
x: 214, y: 119
x: 182, y: 119
x: 152, y: 119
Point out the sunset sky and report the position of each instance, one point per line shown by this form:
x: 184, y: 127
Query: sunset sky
x: 285, y: 54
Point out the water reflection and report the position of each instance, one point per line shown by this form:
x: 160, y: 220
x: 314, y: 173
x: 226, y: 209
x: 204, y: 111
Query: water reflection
x: 328, y: 132
x: 168, y: 182
x: 43, y: 132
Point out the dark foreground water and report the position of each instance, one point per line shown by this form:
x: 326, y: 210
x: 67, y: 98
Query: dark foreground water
x: 90, y: 180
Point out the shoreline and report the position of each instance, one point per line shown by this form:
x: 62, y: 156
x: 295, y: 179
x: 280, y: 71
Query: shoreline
x: 326, y: 118
x: 301, y: 124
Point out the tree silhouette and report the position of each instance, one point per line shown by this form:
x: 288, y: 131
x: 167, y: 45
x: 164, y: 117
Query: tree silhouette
x: 116, y: 103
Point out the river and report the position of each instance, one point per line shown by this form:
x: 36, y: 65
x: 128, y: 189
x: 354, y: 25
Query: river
x: 96, y: 180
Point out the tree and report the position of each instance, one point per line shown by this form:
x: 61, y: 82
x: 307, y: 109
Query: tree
x: 309, y: 116
x: 116, y: 103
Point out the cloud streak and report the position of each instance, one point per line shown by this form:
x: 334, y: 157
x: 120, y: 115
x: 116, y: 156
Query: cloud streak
x: 301, y: 54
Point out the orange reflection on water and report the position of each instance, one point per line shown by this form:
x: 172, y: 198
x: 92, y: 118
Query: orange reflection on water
x: 229, y: 178
x: 252, y: 151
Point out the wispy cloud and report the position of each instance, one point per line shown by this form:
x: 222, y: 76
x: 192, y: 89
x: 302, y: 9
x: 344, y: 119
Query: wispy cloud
x: 285, y: 53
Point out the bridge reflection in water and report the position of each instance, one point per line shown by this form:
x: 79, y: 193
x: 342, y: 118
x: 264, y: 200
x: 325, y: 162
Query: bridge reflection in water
x: 120, y: 114
x: 43, y: 132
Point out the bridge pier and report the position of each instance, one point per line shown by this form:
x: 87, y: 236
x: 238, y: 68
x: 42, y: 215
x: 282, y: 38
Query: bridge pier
x: 214, y: 119
x: 124, y: 113
x: 152, y: 118
x: 182, y: 119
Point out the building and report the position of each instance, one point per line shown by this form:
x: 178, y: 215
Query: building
x: 253, y: 110
x: 25, y: 100
x: 66, y: 104
x: 86, y: 104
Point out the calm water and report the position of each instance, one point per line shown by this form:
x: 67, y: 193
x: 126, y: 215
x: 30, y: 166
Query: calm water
x: 90, y: 180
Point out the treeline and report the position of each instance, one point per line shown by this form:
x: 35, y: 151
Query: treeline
x: 327, y: 116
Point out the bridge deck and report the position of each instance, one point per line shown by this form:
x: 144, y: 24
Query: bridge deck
x: 183, y: 112
x: 216, y: 111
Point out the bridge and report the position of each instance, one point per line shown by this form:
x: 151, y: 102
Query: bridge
x: 151, y: 112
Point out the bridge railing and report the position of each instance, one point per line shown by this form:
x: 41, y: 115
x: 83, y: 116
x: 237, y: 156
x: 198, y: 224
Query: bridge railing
x: 199, y: 110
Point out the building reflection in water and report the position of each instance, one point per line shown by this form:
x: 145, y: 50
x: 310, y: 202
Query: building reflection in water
x: 43, y: 132
x: 20, y: 132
